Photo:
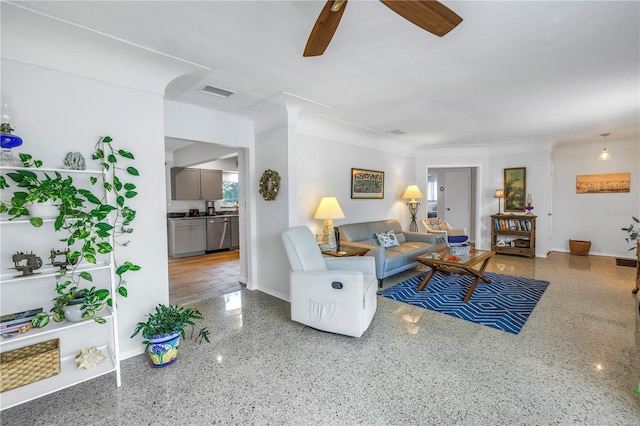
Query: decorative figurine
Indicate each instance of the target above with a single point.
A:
(74, 161)
(33, 262)
(62, 264)
(529, 205)
(88, 358)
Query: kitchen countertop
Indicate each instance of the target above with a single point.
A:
(223, 215)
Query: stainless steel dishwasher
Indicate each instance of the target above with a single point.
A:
(218, 233)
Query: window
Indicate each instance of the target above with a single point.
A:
(229, 189)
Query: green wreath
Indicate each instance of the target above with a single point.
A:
(269, 184)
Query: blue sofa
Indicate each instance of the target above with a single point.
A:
(390, 260)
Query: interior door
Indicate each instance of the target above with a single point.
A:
(457, 211)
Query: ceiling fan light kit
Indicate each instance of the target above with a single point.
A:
(429, 15)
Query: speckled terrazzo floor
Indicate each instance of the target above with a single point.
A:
(576, 361)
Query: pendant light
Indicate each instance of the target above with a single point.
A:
(604, 155)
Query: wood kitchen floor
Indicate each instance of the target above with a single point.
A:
(202, 277)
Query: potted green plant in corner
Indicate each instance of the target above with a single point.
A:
(162, 331)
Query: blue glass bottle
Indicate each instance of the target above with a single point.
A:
(8, 141)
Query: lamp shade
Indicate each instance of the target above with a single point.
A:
(329, 209)
(604, 155)
(412, 192)
(498, 194)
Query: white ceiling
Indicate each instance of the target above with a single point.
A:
(511, 72)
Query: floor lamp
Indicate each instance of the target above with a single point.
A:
(328, 210)
(412, 192)
(500, 195)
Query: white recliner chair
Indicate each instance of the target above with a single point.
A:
(337, 295)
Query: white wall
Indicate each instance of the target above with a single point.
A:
(490, 164)
(272, 218)
(60, 112)
(594, 217)
(323, 168)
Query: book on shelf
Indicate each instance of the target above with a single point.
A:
(15, 325)
(8, 318)
(512, 224)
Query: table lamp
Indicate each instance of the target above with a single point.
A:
(328, 210)
(499, 194)
(412, 192)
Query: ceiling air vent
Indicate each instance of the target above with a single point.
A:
(216, 91)
(396, 132)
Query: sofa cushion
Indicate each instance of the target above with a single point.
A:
(357, 232)
(387, 239)
(413, 249)
(394, 258)
(390, 260)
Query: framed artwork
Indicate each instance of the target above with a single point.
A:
(367, 183)
(515, 189)
(601, 183)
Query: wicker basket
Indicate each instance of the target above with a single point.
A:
(26, 365)
(579, 248)
(458, 250)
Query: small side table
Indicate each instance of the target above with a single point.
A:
(347, 251)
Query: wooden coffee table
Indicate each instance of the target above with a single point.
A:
(464, 266)
(347, 252)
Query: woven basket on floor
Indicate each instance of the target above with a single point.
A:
(26, 365)
(579, 248)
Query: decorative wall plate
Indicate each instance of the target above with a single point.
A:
(269, 184)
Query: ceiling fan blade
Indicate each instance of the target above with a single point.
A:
(324, 28)
(429, 15)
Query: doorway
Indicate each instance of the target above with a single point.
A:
(214, 273)
(452, 196)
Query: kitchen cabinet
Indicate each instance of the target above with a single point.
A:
(210, 184)
(187, 237)
(196, 184)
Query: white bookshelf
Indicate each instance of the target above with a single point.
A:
(73, 336)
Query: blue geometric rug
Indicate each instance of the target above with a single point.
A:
(505, 303)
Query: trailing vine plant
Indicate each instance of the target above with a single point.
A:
(91, 223)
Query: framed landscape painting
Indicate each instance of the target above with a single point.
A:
(367, 183)
(601, 183)
(515, 189)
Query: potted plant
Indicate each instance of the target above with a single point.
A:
(163, 329)
(632, 232)
(94, 223)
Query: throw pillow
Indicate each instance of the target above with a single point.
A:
(442, 225)
(434, 223)
(387, 239)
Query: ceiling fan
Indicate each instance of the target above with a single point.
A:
(429, 15)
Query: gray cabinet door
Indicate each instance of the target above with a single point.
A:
(182, 241)
(185, 184)
(210, 184)
(199, 237)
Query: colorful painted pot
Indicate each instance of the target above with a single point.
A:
(163, 350)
